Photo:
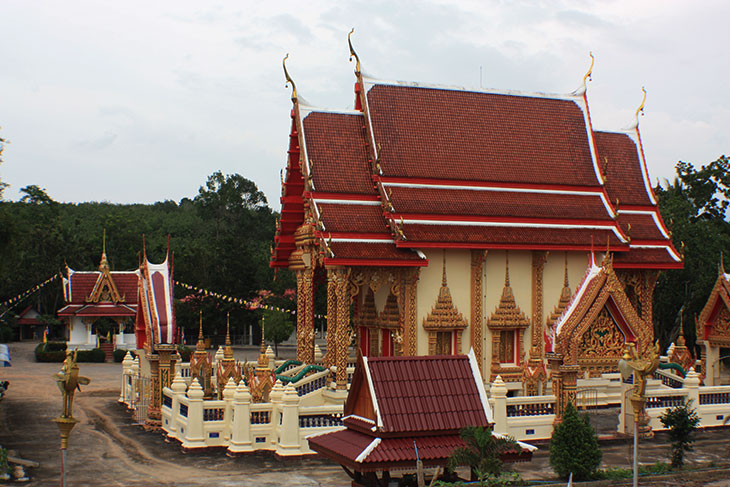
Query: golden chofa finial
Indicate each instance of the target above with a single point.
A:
(289, 80)
(641, 107)
(588, 77)
(353, 54)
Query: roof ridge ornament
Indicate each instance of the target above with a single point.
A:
(640, 110)
(353, 54)
(587, 77)
(289, 80)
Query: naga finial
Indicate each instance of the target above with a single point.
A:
(590, 69)
(289, 80)
(641, 107)
(353, 53)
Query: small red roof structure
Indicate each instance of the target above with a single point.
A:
(29, 317)
(398, 404)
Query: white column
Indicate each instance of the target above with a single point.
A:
(126, 368)
(194, 433)
(692, 384)
(228, 393)
(498, 394)
(277, 392)
(289, 443)
(178, 388)
(241, 429)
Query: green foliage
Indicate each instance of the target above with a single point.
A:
(93, 355)
(482, 452)
(4, 465)
(657, 468)
(54, 347)
(574, 446)
(2, 148)
(505, 479)
(7, 333)
(43, 354)
(682, 421)
(694, 207)
(185, 353)
(56, 352)
(279, 327)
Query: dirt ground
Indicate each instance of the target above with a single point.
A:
(107, 448)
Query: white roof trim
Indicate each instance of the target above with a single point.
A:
(372, 392)
(669, 250)
(325, 201)
(387, 240)
(368, 450)
(592, 272)
(636, 137)
(333, 430)
(524, 446)
(303, 147)
(518, 225)
(369, 82)
(367, 420)
(305, 109)
(480, 384)
(598, 192)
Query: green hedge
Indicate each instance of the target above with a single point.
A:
(56, 352)
(119, 354)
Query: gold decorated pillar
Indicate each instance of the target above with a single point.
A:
(555, 360)
(302, 261)
(477, 312)
(648, 284)
(410, 289)
(534, 373)
(342, 325)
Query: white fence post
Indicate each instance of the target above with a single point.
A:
(228, 393)
(241, 434)
(126, 369)
(692, 384)
(498, 392)
(289, 422)
(194, 433)
(178, 388)
(134, 371)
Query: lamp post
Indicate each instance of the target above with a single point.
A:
(640, 368)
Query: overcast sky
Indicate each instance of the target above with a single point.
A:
(140, 101)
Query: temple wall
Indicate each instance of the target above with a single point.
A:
(553, 277)
(458, 275)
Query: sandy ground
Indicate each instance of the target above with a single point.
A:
(107, 448)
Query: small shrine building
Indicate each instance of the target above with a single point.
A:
(713, 331)
(93, 295)
(442, 219)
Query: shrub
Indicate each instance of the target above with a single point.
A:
(7, 334)
(119, 354)
(574, 446)
(55, 346)
(185, 353)
(482, 453)
(93, 355)
(43, 355)
(682, 421)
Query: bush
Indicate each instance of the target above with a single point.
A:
(43, 355)
(93, 355)
(185, 353)
(119, 354)
(682, 421)
(482, 454)
(574, 447)
(7, 334)
(55, 346)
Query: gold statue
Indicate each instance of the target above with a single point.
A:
(68, 380)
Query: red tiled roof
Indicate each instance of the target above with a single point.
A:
(420, 235)
(98, 310)
(624, 177)
(429, 393)
(450, 134)
(336, 145)
(365, 251)
(82, 283)
(659, 258)
(643, 226)
(353, 218)
(497, 203)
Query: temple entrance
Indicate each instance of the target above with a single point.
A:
(105, 328)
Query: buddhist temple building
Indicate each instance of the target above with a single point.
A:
(713, 331)
(444, 219)
(93, 296)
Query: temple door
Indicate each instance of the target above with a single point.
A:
(387, 342)
(364, 341)
(444, 345)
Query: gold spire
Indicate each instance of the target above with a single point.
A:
(722, 263)
(443, 272)
(289, 80)
(263, 345)
(590, 69)
(103, 264)
(565, 279)
(353, 54)
(201, 341)
(506, 268)
(228, 351)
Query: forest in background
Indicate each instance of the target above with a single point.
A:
(221, 239)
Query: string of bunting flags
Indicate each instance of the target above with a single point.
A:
(28, 292)
(243, 302)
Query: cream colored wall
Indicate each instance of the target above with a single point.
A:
(458, 275)
(458, 271)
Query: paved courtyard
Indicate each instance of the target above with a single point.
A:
(107, 448)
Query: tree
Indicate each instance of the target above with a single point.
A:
(682, 421)
(694, 206)
(2, 148)
(278, 328)
(574, 446)
(482, 453)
